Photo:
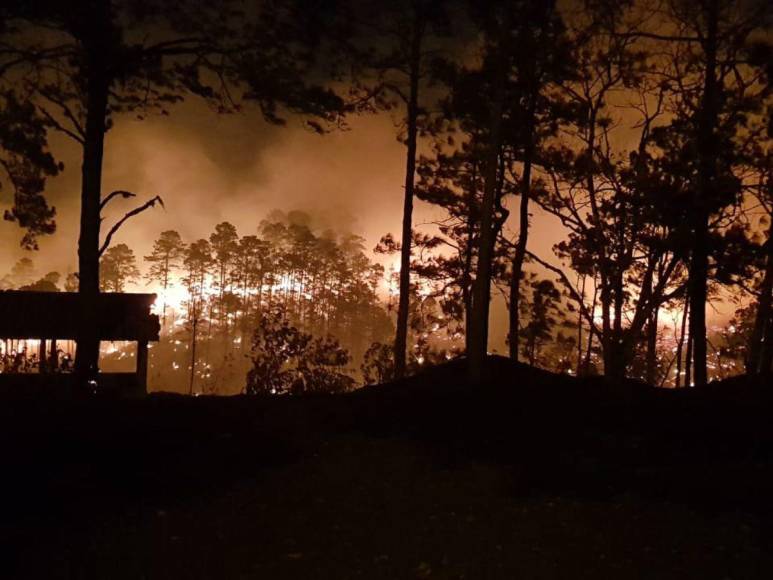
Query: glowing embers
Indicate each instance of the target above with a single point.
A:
(117, 356)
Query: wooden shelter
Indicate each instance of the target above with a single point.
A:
(52, 316)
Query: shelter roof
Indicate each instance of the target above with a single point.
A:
(25, 314)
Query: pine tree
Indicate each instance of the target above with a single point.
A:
(26, 164)
(118, 267)
(165, 258)
(402, 44)
(197, 263)
(224, 242)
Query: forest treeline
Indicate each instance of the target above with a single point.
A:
(289, 296)
(641, 127)
(215, 292)
(297, 307)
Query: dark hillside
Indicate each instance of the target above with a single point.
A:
(711, 446)
(535, 474)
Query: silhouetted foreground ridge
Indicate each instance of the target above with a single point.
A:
(534, 473)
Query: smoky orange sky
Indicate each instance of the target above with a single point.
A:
(210, 168)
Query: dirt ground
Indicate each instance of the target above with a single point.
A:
(535, 477)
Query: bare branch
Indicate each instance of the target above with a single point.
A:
(147, 205)
(121, 192)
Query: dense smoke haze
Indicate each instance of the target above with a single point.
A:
(250, 167)
(348, 180)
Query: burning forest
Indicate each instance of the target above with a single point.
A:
(320, 265)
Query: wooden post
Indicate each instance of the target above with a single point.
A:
(142, 365)
(42, 356)
(53, 363)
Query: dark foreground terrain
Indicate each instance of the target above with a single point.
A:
(534, 477)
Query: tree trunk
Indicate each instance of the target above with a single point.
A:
(401, 336)
(619, 348)
(688, 380)
(652, 347)
(87, 354)
(466, 289)
(591, 331)
(194, 328)
(765, 315)
(478, 341)
(766, 362)
(680, 344)
(698, 280)
(697, 288)
(468, 252)
(166, 285)
(523, 233)
(760, 340)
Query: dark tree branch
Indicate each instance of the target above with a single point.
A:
(655, 36)
(62, 104)
(59, 127)
(569, 286)
(121, 192)
(147, 205)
